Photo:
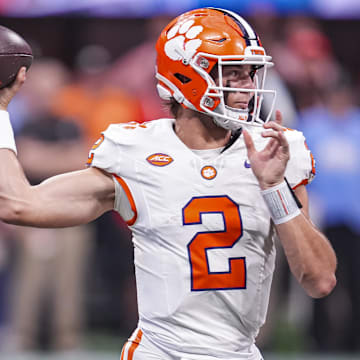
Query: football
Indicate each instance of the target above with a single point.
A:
(15, 52)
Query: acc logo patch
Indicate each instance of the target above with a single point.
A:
(159, 159)
(208, 172)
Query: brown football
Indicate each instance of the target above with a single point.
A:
(15, 52)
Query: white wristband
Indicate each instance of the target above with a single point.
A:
(7, 140)
(281, 203)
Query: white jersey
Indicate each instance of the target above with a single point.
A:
(203, 239)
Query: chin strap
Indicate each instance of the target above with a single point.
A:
(237, 114)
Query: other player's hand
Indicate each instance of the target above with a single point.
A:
(7, 93)
(270, 163)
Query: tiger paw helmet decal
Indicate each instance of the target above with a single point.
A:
(182, 43)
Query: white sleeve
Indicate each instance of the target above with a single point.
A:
(301, 166)
(105, 154)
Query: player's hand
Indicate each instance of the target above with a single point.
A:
(7, 93)
(269, 164)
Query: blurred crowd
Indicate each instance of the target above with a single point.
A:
(56, 286)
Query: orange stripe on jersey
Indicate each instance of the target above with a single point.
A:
(134, 344)
(130, 198)
(313, 168)
(98, 142)
(304, 182)
(90, 159)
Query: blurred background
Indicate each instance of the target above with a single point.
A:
(70, 293)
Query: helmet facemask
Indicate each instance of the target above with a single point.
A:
(217, 92)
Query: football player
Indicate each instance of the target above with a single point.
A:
(205, 193)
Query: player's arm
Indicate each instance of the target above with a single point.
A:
(63, 200)
(309, 253)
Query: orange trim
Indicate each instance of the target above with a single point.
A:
(130, 198)
(134, 345)
(98, 142)
(90, 159)
(123, 352)
(304, 182)
(313, 168)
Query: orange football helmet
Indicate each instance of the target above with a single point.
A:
(192, 45)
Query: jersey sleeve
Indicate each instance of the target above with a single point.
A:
(106, 154)
(103, 153)
(301, 166)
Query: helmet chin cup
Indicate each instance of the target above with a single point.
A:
(233, 119)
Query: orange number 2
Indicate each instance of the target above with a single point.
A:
(201, 276)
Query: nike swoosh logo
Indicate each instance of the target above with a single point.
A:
(247, 164)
